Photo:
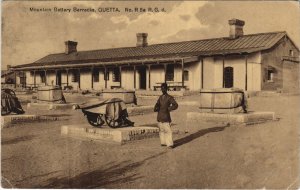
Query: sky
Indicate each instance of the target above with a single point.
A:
(28, 36)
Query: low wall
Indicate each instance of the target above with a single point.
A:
(119, 135)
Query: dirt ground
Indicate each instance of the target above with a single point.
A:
(211, 155)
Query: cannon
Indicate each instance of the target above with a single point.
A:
(112, 111)
(10, 102)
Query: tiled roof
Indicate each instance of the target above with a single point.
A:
(245, 44)
(6, 72)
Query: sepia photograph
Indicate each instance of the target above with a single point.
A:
(150, 94)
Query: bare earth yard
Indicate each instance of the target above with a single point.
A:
(211, 155)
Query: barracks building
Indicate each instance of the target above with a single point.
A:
(253, 62)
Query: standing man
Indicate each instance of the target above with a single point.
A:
(165, 104)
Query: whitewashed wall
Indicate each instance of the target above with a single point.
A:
(212, 75)
(254, 72)
(128, 78)
(38, 79)
(85, 80)
(157, 75)
(29, 78)
(194, 82)
(208, 73)
(239, 71)
(51, 78)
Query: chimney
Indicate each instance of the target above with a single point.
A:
(141, 39)
(236, 28)
(71, 46)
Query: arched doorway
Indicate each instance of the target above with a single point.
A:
(228, 77)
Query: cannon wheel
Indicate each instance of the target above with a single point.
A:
(95, 121)
(9, 91)
(5, 111)
(112, 123)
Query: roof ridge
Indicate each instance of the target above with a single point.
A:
(218, 38)
(133, 47)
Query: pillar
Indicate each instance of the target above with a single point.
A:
(182, 72)
(246, 72)
(149, 76)
(105, 77)
(15, 77)
(34, 79)
(56, 81)
(45, 77)
(67, 77)
(223, 66)
(120, 71)
(202, 73)
(92, 78)
(134, 77)
(79, 78)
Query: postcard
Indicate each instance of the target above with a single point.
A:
(150, 94)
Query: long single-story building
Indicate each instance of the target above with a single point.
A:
(253, 62)
(7, 76)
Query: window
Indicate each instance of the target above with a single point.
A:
(75, 76)
(23, 80)
(228, 77)
(291, 53)
(43, 77)
(170, 73)
(270, 75)
(186, 75)
(95, 75)
(116, 75)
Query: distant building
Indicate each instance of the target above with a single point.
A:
(7, 76)
(254, 62)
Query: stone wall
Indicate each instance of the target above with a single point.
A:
(272, 59)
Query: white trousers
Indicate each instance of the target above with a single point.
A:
(165, 133)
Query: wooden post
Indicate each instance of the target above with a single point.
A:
(182, 74)
(56, 82)
(223, 66)
(134, 77)
(202, 73)
(120, 71)
(25, 80)
(34, 79)
(246, 72)
(105, 77)
(149, 76)
(45, 77)
(92, 77)
(67, 77)
(165, 70)
(79, 79)
(15, 77)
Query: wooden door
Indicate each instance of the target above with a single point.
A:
(228, 77)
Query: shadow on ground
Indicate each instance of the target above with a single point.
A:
(116, 175)
(155, 125)
(198, 134)
(16, 140)
(57, 115)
